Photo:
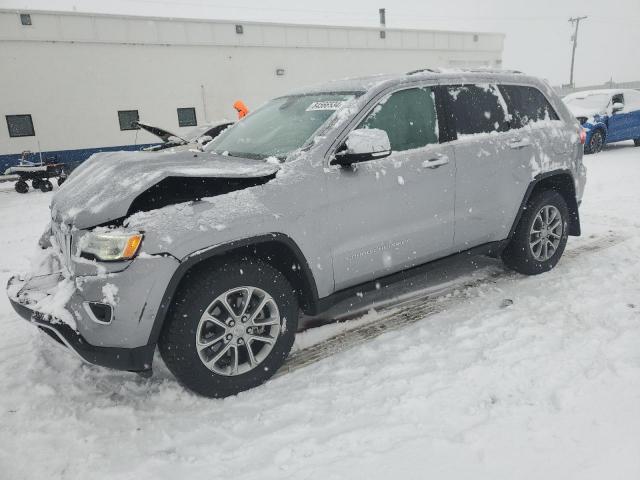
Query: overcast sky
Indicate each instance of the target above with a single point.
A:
(537, 32)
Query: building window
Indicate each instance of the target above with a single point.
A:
(128, 119)
(187, 117)
(239, 29)
(20, 126)
(25, 19)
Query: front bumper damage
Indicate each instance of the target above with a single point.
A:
(138, 359)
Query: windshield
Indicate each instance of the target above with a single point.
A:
(598, 100)
(279, 127)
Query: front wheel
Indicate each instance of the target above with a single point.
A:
(596, 142)
(541, 235)
(231, 326)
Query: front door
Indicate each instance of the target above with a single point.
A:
(396, 212)
(621, 123)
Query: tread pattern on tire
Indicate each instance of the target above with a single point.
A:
(517, 255)
(199, 287)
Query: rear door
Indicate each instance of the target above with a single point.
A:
(396, 212)
(491, 164)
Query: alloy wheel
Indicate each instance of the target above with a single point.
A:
(546, 233)
(596, 142)
(238, 330)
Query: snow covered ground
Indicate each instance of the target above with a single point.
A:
(547, 387)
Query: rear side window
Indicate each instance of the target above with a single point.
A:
(527, 105)
(476, 109)
(409, 118)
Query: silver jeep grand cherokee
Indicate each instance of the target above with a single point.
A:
(316, 197)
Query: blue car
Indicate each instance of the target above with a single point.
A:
(607, 116)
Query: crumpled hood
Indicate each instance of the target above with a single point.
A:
(161, 133)
(104, 186)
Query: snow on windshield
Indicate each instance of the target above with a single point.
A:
(281, 126)
(599, 101)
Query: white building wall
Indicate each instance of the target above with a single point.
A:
(73, 72)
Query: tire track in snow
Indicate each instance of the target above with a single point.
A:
(412, 311)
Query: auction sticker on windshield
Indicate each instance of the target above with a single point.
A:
(326, 105)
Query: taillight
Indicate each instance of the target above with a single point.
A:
(583, 135)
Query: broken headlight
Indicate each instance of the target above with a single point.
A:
(110, 246)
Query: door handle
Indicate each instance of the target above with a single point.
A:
(519, 143)
(435, 162)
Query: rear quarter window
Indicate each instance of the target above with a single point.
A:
(476, 109)
(527, 105)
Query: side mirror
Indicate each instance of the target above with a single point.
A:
(362, 145)
(617, 107)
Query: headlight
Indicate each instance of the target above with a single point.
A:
(110, 246)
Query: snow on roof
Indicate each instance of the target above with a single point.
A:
(363, 84)
(606, 91)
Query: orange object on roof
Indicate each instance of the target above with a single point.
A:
(241, 108)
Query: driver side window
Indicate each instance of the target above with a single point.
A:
(409, 118)
(618, 98)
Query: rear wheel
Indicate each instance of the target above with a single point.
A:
(21, 186)
(637, 142)
(35, 183)
(541, 235)
(231, 326)
(596, 142)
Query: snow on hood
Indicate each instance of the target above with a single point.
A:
(104, 186)
(584, 112)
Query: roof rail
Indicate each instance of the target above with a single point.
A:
(461, 70)
(421, 70)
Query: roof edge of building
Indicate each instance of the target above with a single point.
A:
(243, 22)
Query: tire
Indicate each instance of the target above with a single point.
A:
(596, 142)
(36, 183)
(188, 322)
(61, 180)
(636, 142)
(21, 186)
(523, 257)
(46, 186)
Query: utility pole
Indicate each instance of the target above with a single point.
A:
(576, 21)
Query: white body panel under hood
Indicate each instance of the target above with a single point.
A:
(104, 186)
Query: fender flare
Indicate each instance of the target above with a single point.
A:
(599, 126)
(310, 293)
(570, 196)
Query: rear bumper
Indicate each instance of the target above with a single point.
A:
(138, 359)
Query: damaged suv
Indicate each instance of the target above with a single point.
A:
(319, 196)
